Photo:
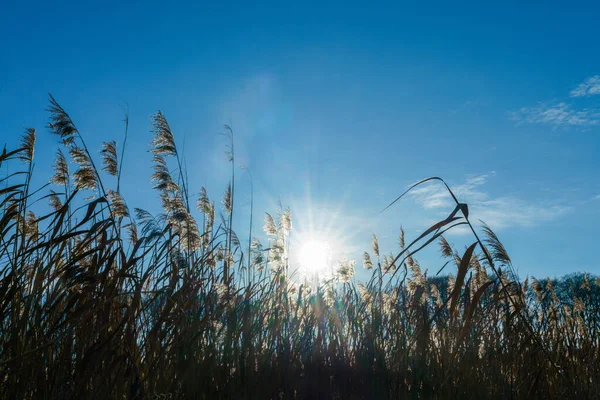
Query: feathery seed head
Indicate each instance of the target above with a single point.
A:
(367, 263)
(55, 202)
(85, 178)
(345, 270)
(163, 143)
(375, 246)
(118, 206)
(28, 145)
(228, 200)
(270, 228)
(61, 169)
(60, 123)
(109, 157)
(286, 221)
(203, 203)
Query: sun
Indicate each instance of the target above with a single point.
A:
(315, 256)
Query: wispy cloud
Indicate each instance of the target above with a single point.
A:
(499, 213)
(558, 115)
(589, 87)
(436, 196)
(563, 114)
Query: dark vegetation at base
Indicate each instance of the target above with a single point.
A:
(98, 300)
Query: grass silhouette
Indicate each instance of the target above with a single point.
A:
(100, 300)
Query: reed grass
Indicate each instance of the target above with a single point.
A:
(100, 300)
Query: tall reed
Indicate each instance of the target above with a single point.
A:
(100, 300)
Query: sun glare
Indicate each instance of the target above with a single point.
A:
(315, 256)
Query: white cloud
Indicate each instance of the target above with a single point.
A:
(436, 195)
(558, 115)
(564, 114)
(589, 87)
(499, 213)
(505, 212)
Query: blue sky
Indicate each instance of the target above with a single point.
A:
(336, 109)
